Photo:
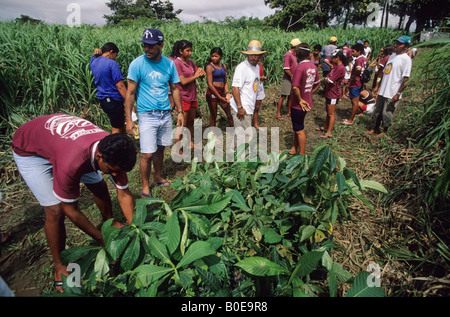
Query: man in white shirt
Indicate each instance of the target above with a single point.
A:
(396, 74)
(246, 88)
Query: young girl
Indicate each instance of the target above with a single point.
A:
(218, 90)
(188, 73)
(333, 90)
(315, 57)
(305, 82)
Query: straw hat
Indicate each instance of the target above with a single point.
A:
(295, 42)
(254, 48)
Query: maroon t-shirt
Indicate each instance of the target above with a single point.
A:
(187, 70)
(355, 79)
(305, 76)
(382, 65)
(69, 144)
(335, 77)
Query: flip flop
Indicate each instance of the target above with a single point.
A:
(144, 195)
(321, 129)
(326, 136)
(345, 122)
(280, 118)
(163, 183)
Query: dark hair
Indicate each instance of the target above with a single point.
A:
(359, 48)
(110, 47)
(118, 149)
(388, 50)
(340, 54)
(303, 51)
(216, 50)
(318, 47)
(179, 45)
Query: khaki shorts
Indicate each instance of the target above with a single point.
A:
(286, 86)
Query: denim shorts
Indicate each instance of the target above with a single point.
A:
(354, 92)
(155, 128)
(37, 173)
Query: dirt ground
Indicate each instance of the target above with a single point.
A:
(25, 261)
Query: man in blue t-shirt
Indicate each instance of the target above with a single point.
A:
(326, 52)
(149, 78)
(109, 82)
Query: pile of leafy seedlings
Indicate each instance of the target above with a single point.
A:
(233, 230)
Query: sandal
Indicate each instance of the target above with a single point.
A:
(144, 195)
(163, 183)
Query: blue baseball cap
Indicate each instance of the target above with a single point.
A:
(152, 36)
(405, 39)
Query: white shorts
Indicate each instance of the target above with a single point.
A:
(38, 175)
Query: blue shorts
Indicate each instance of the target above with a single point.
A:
(298, 119)
(37, 173)
(354, 92)
(155, 129)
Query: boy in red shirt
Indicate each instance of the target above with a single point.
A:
(305, 82)
(54, 154)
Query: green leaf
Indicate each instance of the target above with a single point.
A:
(210, 280)
(101, 266)
(300, 207)
(172, 233)
(261, 267)
(158, 249)
(239, 201)
(140, 209)
(147, 274)
(307, 232)
(308, 262)
(340, 180)
(197, 250)
(210, 205)
(368, 184)
(332, 283)
(271, 236)
(117, 246)
(131, 254)
(360, 287)
(319, 158)
(72, 255)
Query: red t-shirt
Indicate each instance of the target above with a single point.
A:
(69, 144)
(305, 76)
(187, 69)
(355, 79)
(335, 77)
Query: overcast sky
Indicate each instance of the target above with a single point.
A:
(92, 11)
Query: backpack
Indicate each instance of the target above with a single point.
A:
(366, 75)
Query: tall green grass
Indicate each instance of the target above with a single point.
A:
(45, 68)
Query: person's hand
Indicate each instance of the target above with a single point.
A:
(228, 97)
(97, 51)
(200, 73)
(305, 105)
(130, 127)
(241, 113)
(395, 98)
(180, 119)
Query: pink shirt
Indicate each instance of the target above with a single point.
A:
(355, 79)
(305, 76)
(187, 70)
(69, 144)
(335, 77)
